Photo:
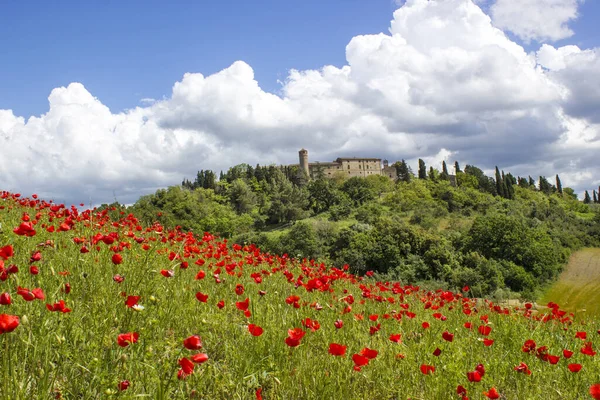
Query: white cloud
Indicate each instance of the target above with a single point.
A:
(443, 84)
(537, 20)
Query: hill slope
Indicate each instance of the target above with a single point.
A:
(578, 287)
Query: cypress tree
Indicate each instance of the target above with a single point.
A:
(558, 185)
(586, 198)
(422, 169)
(499, 186)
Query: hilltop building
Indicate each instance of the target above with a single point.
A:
(349, 167)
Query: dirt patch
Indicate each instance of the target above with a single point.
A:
(578, 287)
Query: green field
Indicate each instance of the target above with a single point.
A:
(578, 287)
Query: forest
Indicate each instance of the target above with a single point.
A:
(502, 236)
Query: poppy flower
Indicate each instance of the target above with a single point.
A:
(60, 306)
(575, 367)
(369, 353)
(8, 323)
(447, 336)
(359, 360)
(117, 259)
(132, 301)
(124, 385)
(199, 358)
(595, 391)
(201, 297)
(474, 376)
(484, 330)
(242, 305)
(125, 339)
(427, 369)
(395, 337)
(7, 252)
(587, 349)
(492, 394)
(337, 349)
(5, 299)
(239, 289)
(193, 342)
(167, 273)
(255, 330)
(187, 366)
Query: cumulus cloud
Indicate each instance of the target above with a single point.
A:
(539, 20)
(445, 83)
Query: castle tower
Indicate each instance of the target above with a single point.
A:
(303, 154)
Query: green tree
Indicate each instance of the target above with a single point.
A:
(559, 185)
(422, 169)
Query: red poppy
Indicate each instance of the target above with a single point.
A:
(167, 273)
(8, 323)
(359, 360)
(5, 299)
(124, 385)
(193, 342)
(117, 259)
(125, 339)
(60, 306)
(242, 305)
(337, 349)
(239, 289)
(255, 330)
(132, 301)
(575, 367)
(199, 358)
(595, 391)
(201, 297)
(427, 369)
(374, 329)
(492, 394)
(587, 349)
(523, 368)
(474, 376)
(6, 252)
(395, 337)
(369, 353)
(484, 330)
(447, 336)
(187, 366)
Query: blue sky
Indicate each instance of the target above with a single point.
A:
(453, 80)
(125, 51)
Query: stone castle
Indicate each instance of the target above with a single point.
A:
(348, 167)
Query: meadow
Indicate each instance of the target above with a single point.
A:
(96, 308)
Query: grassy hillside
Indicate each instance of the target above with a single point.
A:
(578, 286)
(94, 308)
